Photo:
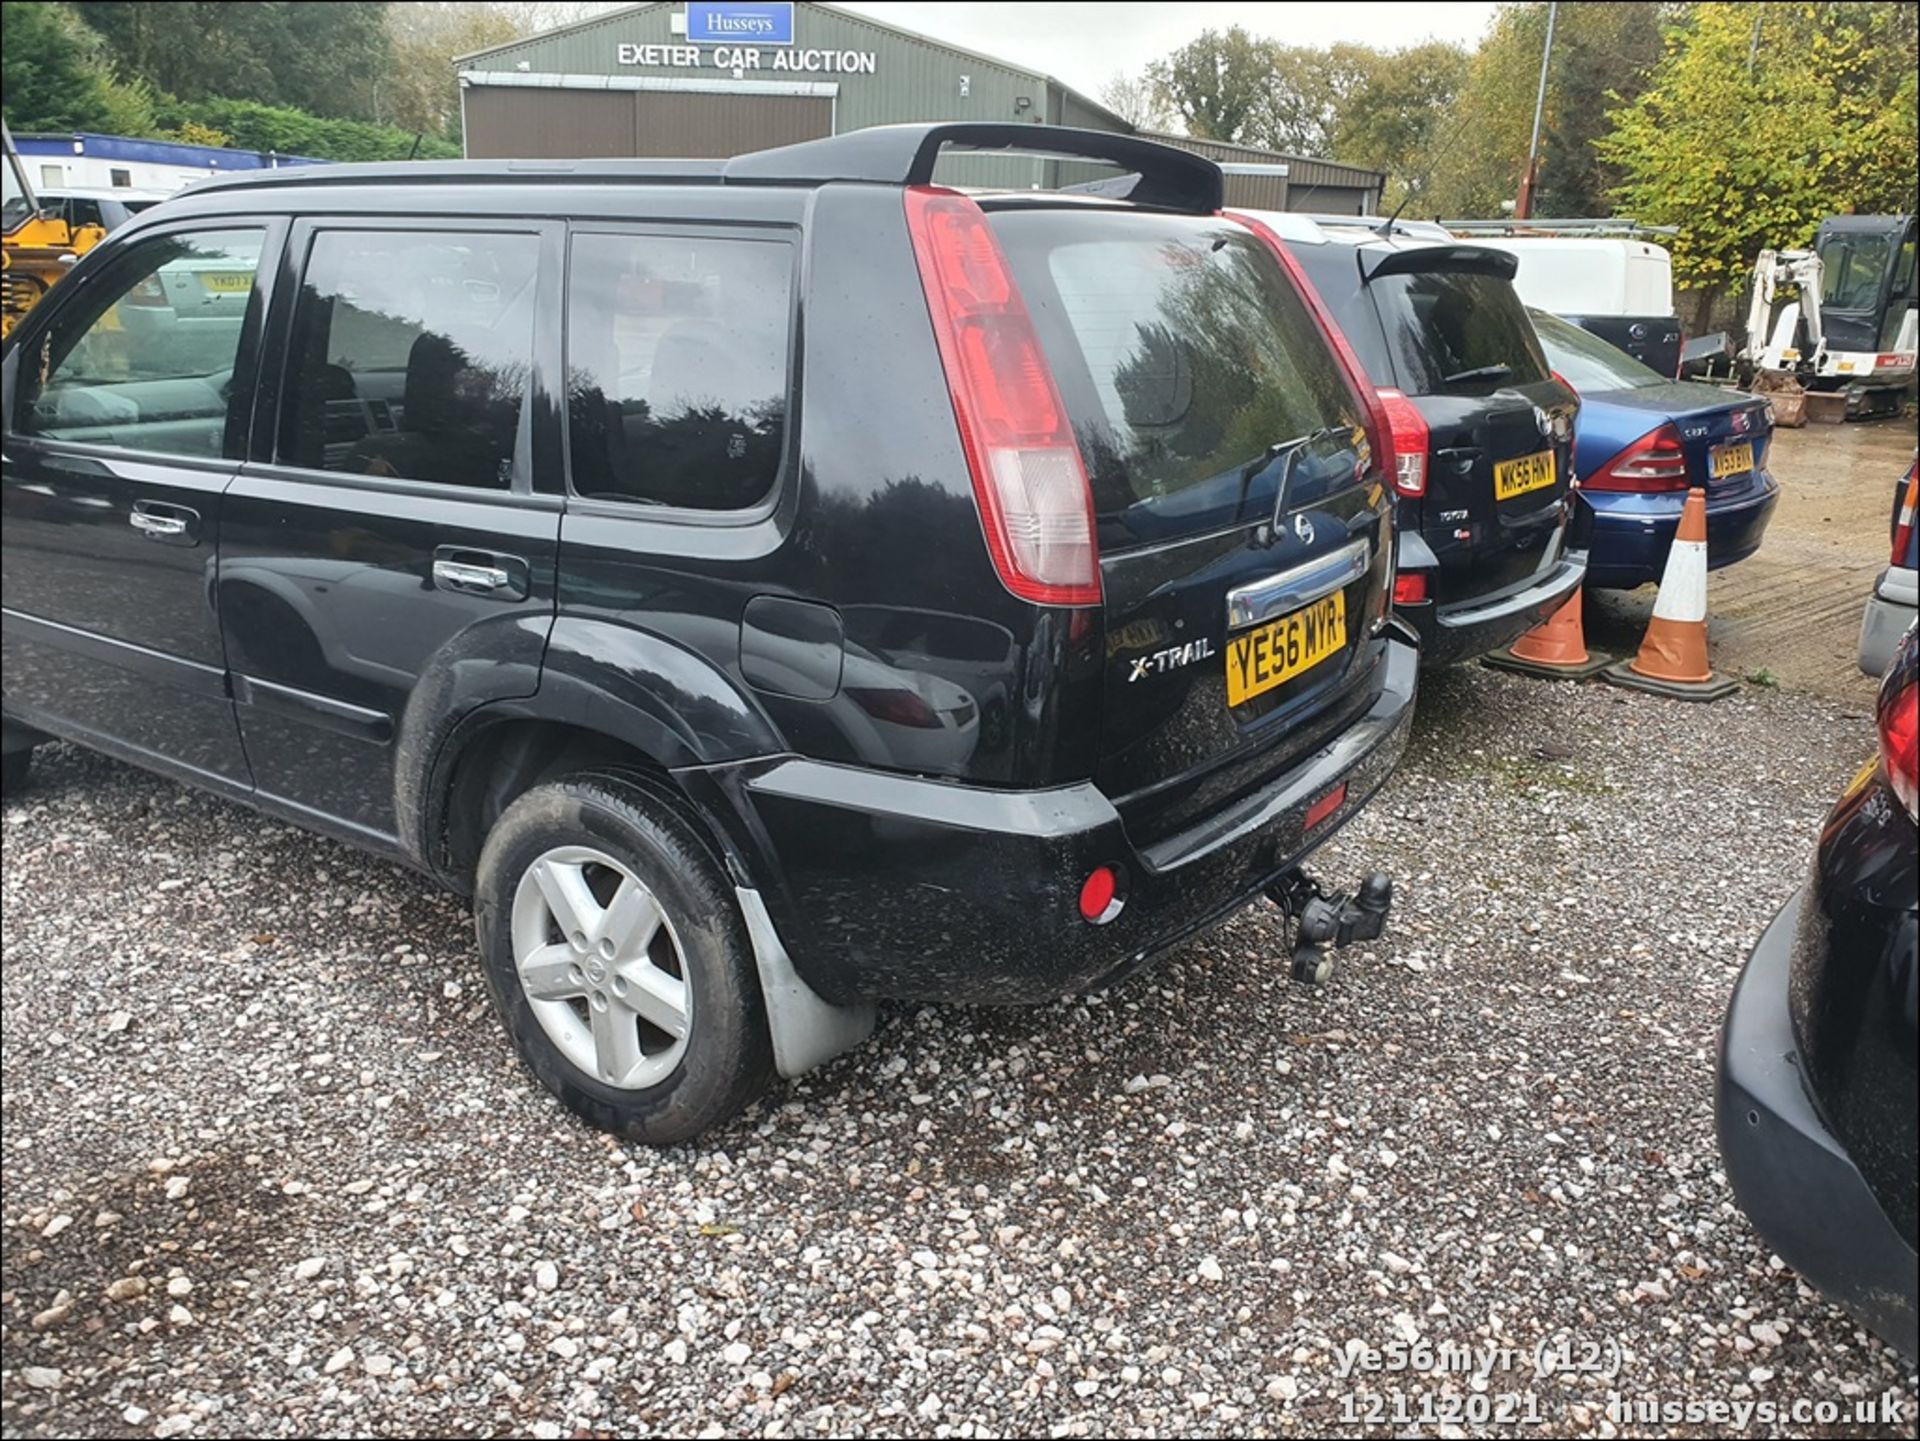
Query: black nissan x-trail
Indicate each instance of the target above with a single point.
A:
(767, 586)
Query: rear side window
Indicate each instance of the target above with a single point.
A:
(1187, 362)
(1456, 332)
(677, 378)
(1586, 362)
(411, 355)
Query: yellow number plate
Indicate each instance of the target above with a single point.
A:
(1517, 477)
(1735, 459)
(1258, 660)
(227, 284)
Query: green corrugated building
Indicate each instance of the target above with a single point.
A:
(699, 79)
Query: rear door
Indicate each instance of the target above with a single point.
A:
(387, 533)
(129, 420)
(1242, 528)
(1450, 333)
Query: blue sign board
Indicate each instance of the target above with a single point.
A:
(739, 22)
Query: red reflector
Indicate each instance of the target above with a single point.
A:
(1326, 805)
(1097, 895)
(1410, 587)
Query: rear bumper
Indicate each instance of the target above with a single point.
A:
(1890, 610)
(1802, 1191)
(1631, 534)
(1465, 629)
(895, 887)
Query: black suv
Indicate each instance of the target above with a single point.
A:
(767, 586)
(1818, 1094)
(1482, 430)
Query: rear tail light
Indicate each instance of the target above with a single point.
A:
(1410, 440)
(149, 292)
(1653, 464)
(1410, 588)
(1904, 522)
(1680, 356)
(1035, 504)
(1899, 718)
(896, 707)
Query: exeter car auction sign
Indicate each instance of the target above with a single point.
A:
(736, 29)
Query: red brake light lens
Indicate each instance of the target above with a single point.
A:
(1410, 587)
(1652, 465)
(896, 707)
(1035, 504)
(1903, 525)
(1410, 440)
(1899, 718)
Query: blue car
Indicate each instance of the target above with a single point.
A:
(1642, 441)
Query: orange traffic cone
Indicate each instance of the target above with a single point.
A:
(1673, 654)
(1557, 647)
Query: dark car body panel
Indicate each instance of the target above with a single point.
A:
(1653, 340)
(330, 679)
(1819, 1085)
(1498, 567)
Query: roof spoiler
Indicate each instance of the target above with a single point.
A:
(1168, 178)
(1428, 259)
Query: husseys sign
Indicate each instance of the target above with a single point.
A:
(736, 30)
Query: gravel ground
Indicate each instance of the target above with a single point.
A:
(271, 1169)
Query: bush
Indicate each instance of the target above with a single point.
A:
(250, 125)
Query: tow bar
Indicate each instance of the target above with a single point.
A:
(1325, 922)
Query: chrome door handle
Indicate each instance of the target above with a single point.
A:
(459, 575)
(158, 526)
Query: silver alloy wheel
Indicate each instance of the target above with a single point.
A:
(601, 967)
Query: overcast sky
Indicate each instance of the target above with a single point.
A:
(1085, 44)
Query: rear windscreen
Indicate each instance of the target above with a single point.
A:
(1189, 366)
(1588, 363)
(1456, 332)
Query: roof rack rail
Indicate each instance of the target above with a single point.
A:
(1575, 226)
(1162, 175)
(1169, 178)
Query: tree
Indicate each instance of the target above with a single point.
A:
(1395, 117)
(1741, 161)
(54, 75)
(326, 58)
(1603, 52)
(1134, 99)
(1214, 83)
(420, 90)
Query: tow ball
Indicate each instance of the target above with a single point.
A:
(1325, 921)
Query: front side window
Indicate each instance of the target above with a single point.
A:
(148, 363)
(411, 355)
(1852, 267)
(677, 353)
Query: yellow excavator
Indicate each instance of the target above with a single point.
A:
(36, 249)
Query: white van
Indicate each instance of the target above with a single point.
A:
(1621, 290)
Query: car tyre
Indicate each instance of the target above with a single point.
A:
(618, 960)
